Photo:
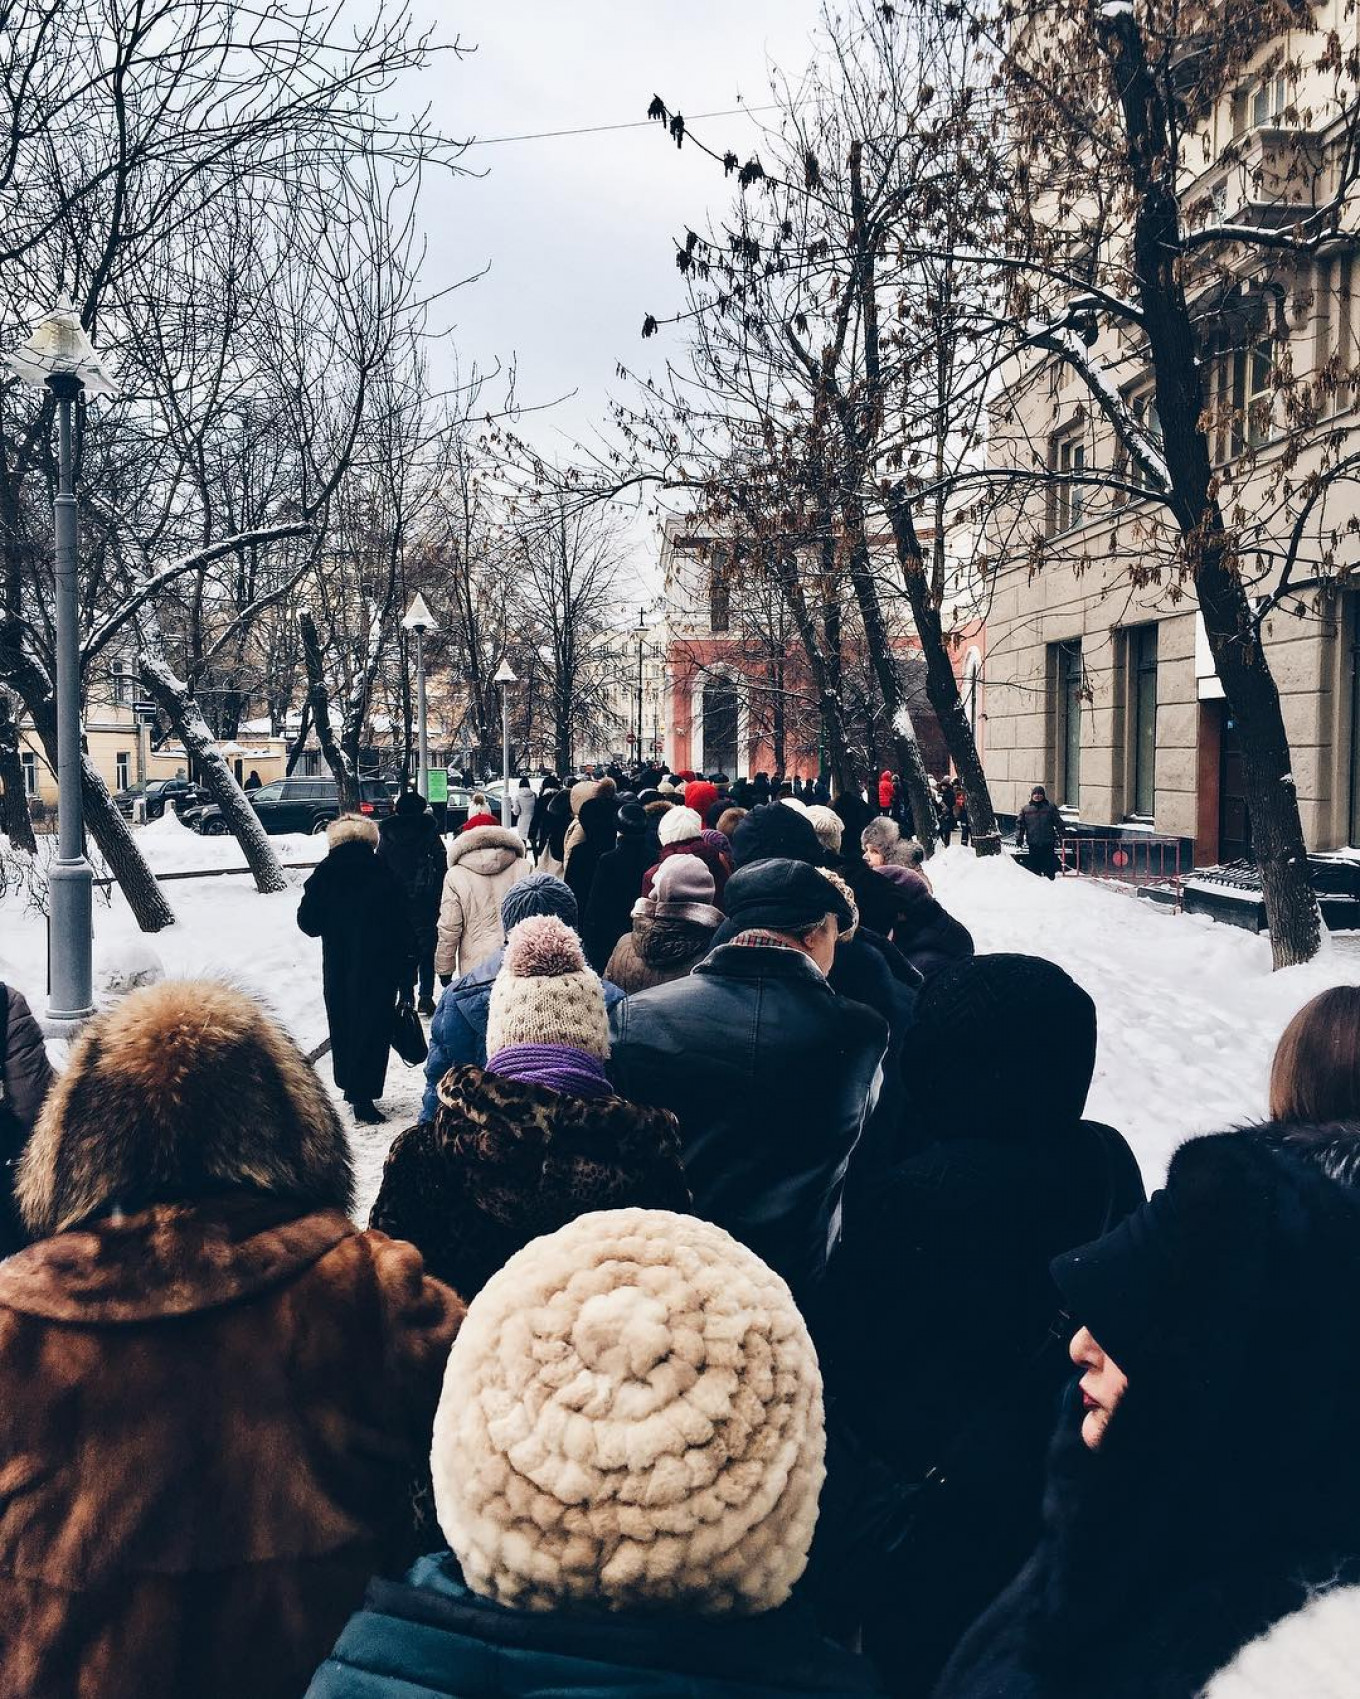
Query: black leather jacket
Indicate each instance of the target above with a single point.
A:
(772, 1077)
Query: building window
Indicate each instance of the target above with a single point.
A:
(1260, 103)
(122, 763)
(720, 592)
(1067, 457)
(1142, 677)
(720, 723)
(1252, 395)
(1069, 685)
(124, 684)
(29, 762)
(1143, 407)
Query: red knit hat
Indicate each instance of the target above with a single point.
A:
(701, 796)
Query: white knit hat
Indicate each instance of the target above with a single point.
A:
(545, 993)
(678, 826)
(631, 1419)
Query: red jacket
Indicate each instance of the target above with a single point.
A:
(886, 788)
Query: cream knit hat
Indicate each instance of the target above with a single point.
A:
(545, 993)
(631, 1419)
(678, 826)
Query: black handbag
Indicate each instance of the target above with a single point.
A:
(408, 1036)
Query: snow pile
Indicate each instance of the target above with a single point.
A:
(1189, 1009)
(170, 847)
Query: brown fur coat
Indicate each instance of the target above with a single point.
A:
(215, 1391)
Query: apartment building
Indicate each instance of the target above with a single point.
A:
(1099, 682)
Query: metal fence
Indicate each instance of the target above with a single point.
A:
(1129, 861)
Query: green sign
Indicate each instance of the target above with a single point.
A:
(437, 785)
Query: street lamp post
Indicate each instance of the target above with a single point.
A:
(641, 627)
(420, 620)
(59, 356)
(505, 678)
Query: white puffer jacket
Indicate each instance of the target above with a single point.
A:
(483, 864)
(1313, 1654)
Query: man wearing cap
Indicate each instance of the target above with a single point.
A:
(770, 1073)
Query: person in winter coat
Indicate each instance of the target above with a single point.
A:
(479, 814)
(682, 832)
(483, 865)
(925, 932)
(557, 820)
(528, 1142)
(354, 905)
(672, 929)
(953, 1243)
(524, 802)
(771, 1074)
(1315, 1076)
(25, 1079)
(1040, 825)
(409, 843)
(887, 792)
(669, 1396)
(617, 882)
(538, 829)
(583, 792)
(1203, 1493)
(598, 821)
(215, 1391)
(458, 1030)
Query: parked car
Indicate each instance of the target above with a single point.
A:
(298, 805)
(457, 808)
(159, 794)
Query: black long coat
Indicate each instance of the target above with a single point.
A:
(411, 846)
(354, 905)
(616, 887)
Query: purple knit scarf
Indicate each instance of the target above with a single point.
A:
(559, 1067)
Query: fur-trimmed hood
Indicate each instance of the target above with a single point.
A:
(183, 1090)
(486, 849)
(352, 829)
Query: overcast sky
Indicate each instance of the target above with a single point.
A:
(577, 230)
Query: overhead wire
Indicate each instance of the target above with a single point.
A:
(600, 129)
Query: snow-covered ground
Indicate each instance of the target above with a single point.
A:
(1189, 1010)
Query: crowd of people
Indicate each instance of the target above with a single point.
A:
(753, 1310)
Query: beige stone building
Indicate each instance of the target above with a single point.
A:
(1098, 680)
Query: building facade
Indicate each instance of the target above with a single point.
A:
(1099, 683)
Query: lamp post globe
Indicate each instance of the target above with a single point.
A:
(59, 356)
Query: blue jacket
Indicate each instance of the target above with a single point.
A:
(458, 1030)
(429, 1636)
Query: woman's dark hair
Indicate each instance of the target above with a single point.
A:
(1315, 1077)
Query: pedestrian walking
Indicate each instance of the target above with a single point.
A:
(617, 883)
(525, 805)
(1040, 826)
(953, 1242)
(482, 866)
(671, 930)
(354, 905)
(26, 1077)
(771, 1074)
(668, 1395)
(215, 1391)
(1201, 1528)
(536, 1136)
(598, 821)
(410, 845)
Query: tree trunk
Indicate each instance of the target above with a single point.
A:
(173, 699)
(14, 818)
(119, 849)
(910, 764)
(319, 704)
(299, 743)
(942, 686)
(1272, 802)
(824, 665)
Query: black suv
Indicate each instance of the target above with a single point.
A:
(299, 805)
(160, 794)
